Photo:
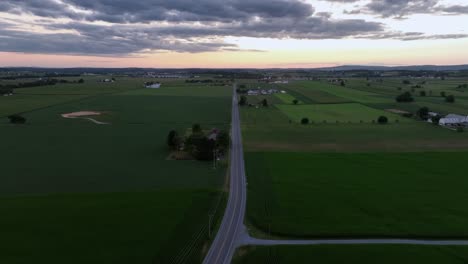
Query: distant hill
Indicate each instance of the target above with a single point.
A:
(397, 68)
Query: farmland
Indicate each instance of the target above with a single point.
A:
(74, 191)
(379, 194)
(366, 254)
(343, 175)
(351, 112)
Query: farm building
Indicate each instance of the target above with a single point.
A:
(153, 85)
(454, 120)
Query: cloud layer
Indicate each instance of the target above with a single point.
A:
(129, 27)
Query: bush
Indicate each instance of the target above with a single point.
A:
(305, 121)
(295, 101)
(17, 119)
(442, 94)
(382, 120)
(422, 93)
(460, 129)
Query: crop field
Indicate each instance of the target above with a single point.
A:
(315, 95)
(287, 98)
(352, 112)
(344, 178)
(358, 195)
(365, 254)
(343, 92)
(72, 191)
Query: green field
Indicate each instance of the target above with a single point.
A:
(365, 254)
(353, 113)
(358, 195)
(287, 98)
(342, 92)
(72, 191)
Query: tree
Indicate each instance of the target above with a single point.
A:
(243, 100)
(305, 121)
(422, 93)
(81, 81)
(242, 86)
(173, 139)
(450, 99)
(435, 119)
(196, 129)
(223, 140)
(405, 97)
(382, 120)
(442, 94)
(342, 83)
(423, 112)
(17, 119)
(407, 82)
(295, 101)
(264, 103)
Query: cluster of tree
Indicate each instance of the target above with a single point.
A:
(405, 97)
(37, 83)
(463, 86)
(305, 121)
(448, 98)
(423, 113)
(17, 119)
(200, 145)
(406, 82)
(422, 93)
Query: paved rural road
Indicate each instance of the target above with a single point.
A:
(232, 226)
(232, 232)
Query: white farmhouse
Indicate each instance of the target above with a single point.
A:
(152, 85)
(453, 120)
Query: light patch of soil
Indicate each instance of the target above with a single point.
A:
(397, 111)
(85, 115)
(81, 114)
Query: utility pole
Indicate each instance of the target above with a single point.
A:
(214, 158)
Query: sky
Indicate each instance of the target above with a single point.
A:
(232, 33)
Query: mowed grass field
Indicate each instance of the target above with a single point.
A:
(358, 195)
(72, 191)
(365, 254)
